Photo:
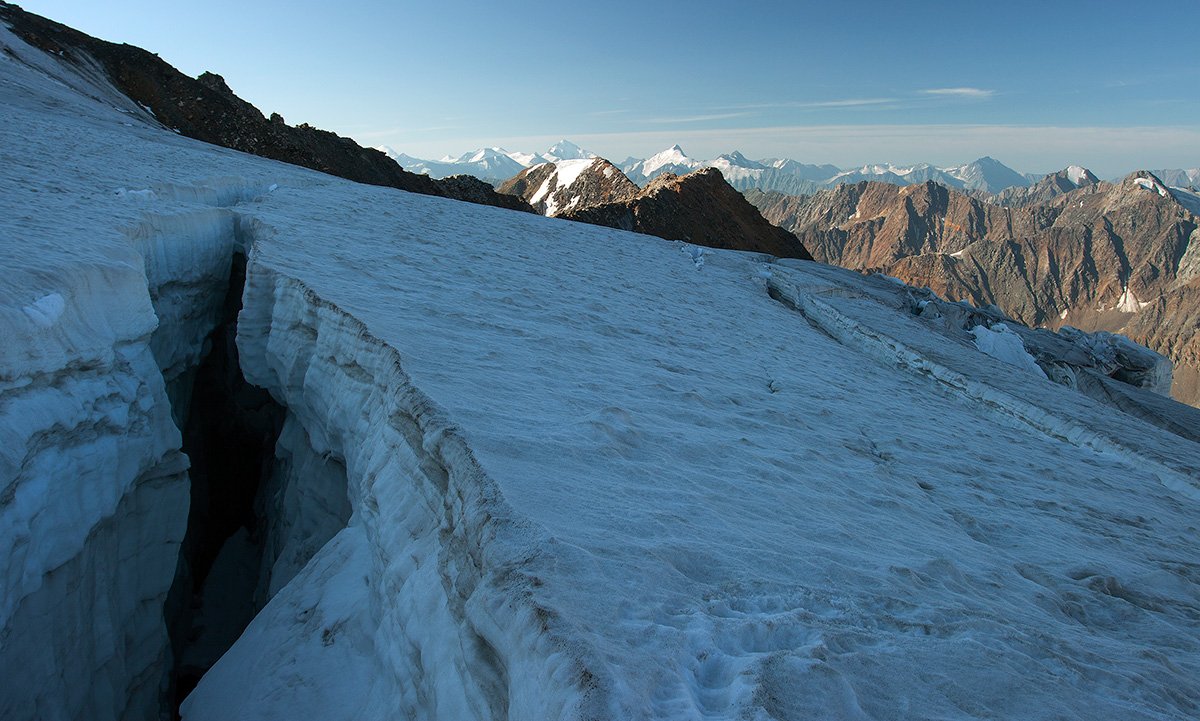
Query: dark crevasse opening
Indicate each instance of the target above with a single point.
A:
(229, 434)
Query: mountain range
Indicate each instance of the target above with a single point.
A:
(493, 165)
(985, 175)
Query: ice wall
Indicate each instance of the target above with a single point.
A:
(94, 501)
(116, 255)
(93, 376)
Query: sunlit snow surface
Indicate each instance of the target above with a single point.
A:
(672, 495)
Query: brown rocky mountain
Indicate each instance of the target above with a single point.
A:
(555, 188)
(1048, 188)
(699, 207)
(1121, 257)
(206, 109)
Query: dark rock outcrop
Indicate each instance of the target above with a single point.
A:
(474, 190)
(700, 208)
(1119, 257)
(205, 108)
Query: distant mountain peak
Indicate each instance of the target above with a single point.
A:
(673, 151)
(730, 161)
(987, 174)
(566, 150)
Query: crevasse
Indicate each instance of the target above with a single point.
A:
(445, 629)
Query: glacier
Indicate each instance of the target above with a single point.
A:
(529, 468)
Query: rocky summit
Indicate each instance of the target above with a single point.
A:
(1048, 188)
(699, 208)
(558, 187)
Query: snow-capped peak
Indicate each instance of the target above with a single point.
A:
(736, 159)
(529, 159)
(483, 154)
(673, 155)
(566, 150)
(671, 160)
(986, 173)
(1076, 173)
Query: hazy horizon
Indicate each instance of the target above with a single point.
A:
(814, 142)
(1036, 86)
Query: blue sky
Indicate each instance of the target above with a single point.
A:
(1038, 85)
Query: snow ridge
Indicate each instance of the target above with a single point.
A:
(1172, 472)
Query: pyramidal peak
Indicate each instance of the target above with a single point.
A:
(566, 150)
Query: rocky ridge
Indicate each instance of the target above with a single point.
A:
(700, 208)
(1049, 187)
(205, 108)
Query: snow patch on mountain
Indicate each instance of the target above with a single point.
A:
(1077, 173)
(1151, 184)
(1128, 302)
(565, 175)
